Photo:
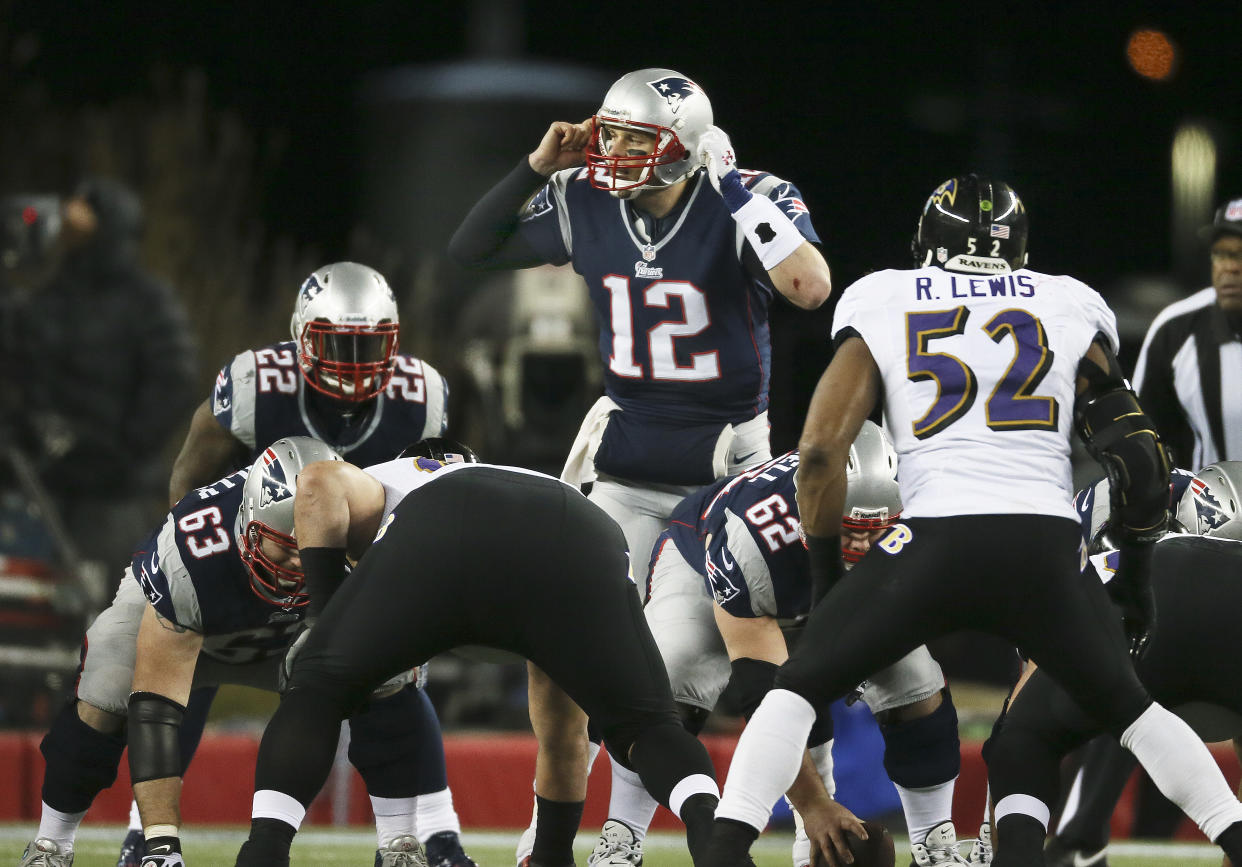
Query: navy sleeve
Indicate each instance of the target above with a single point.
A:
(488, 237)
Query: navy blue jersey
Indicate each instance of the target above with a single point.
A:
(190, 570)
(683, 319)
(261, 396)
(742, 535)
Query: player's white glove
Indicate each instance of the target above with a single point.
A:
(286, 665)
(717, 154)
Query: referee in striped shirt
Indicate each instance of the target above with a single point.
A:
(1189, 371)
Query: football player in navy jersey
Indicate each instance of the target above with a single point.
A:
(215, 595)
(982, 367)
(683, 254)
(737, 542)
(1189, 664)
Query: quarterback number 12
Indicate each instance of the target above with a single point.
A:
(1012, 405)
(703, 365)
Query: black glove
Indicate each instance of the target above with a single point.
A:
(1131, 590)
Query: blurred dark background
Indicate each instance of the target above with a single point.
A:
(266, 142)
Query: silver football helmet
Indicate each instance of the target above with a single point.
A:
(663, 103)
(872, 496)
(1212, 503)
(266, 514)
(345, 324)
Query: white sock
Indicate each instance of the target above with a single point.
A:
(629, 801)
(59, 827)
(135, 820)
(271, 804)
(436, 814)
(394, 817)
(925, 808)
(767, 758)
(1025, 805)
(1182, 769)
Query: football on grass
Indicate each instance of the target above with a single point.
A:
(876, 851)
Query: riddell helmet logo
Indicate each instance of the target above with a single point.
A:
(675, 90)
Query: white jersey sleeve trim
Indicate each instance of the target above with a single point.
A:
(557, 185)
(242, 372)
(753, 566)
(437, 402)
(182, 595)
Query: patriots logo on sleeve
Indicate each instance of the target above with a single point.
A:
(787, 200)
(222, 396)
(675, 90)
(539, 205)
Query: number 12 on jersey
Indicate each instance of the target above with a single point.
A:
(660, 337)
(1012, 405)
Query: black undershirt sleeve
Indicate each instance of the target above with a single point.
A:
(488, 237)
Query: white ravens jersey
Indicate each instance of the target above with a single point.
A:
(979, 380)
(403, 476)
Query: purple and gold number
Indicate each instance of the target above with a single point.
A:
(1012, 406)
(956, 385)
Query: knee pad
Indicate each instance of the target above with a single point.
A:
(80, 761)
(926, 751)
(749, 681)
(154, 737)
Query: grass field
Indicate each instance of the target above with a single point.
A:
(216, 847)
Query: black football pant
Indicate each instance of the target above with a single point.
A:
(488, 557)
(1190, 659)
(1014, 576)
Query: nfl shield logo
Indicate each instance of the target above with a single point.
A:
(649, 253)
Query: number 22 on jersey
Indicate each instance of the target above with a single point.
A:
(1013, 404)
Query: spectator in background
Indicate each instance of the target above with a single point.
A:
(108, 367)
(1189, 371)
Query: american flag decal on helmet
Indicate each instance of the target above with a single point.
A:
(999, 231)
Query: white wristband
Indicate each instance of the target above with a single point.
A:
(771, 234)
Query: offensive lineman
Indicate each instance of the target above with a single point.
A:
(214, 595)
(979, 363)
(737, 542)
(683, 254)
(468, 554)
(1187, 665)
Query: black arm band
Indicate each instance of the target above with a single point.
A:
(493, 220)
(826, 565)
(749, 681)
(1133, 563)
(324, 569)
(154, 737)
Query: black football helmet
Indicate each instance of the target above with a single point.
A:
(972, 224)
(441, 449)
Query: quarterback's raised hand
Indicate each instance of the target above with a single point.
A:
(717, 154)
(562, 147)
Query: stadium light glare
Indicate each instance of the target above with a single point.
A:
(1151, 54)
